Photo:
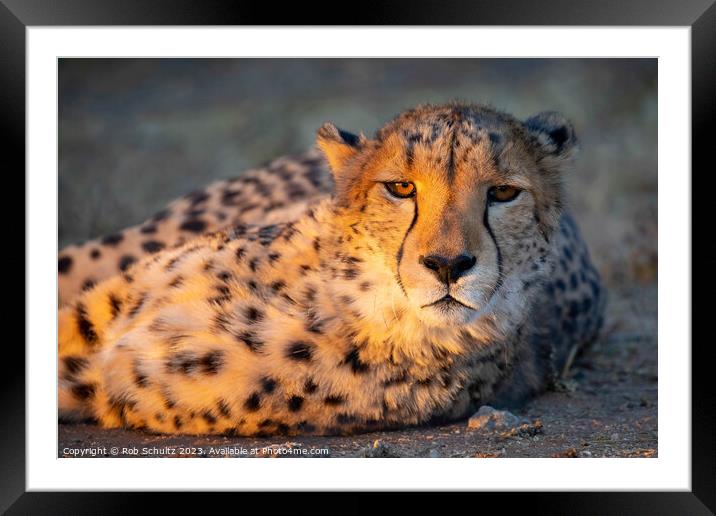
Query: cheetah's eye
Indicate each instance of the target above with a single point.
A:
(502, 193)
(401, 190)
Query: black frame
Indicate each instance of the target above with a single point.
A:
(700, 15)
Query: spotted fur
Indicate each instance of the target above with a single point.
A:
(275, 193)
(332, 323)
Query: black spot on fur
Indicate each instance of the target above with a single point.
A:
(224, 276)
(95, 253)
(309, 387)
(586, 304)
(125, 262)
(273, 257)
(134, 310)
(140, 379)
(295, 403)
(395, 380)
(177, 422)
(193, 225)
(350, 260)
(268, 384)
(250, 340)
(178, 281)
(152, 246)
(212, 362)
(573, 310)
(573, 281)
(334, 400)
(253, 402)
(353, 360)
(88, 284)
(310, 294)
(113, 240)
(365, 286)
(223, 295)
(446, 379)
(254, 264)
(149, 229)
(266, 423)
(197, 197)
(351, 273)
(221, 322)
(295, 192)
(228, 197)
(300, 351)
(267, 234)
(161, 215)
(253, 314)
(84, 325)
(184, 362)
(278, 285)
(84, 391)
(313, 323)
(74, 364)
(209, 417)
(64, 264)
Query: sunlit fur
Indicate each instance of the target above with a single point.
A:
(328, 325)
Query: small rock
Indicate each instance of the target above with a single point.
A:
(585, 454)
(503, 422)
(489, 419)
(434, 454)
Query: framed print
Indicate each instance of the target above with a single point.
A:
(460, 238)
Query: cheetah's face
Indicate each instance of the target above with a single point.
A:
(459, 203)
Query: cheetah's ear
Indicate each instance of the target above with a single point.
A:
(554, 135)
(338, 146)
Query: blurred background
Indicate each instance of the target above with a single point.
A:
(136, 133)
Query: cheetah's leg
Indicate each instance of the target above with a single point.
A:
(81, 329)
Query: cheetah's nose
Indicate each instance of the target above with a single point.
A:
(448, 270)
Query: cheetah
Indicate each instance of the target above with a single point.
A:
(442, 273)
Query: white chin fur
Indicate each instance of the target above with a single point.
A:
(446, 314)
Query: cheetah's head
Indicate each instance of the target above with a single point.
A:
(458, 200)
